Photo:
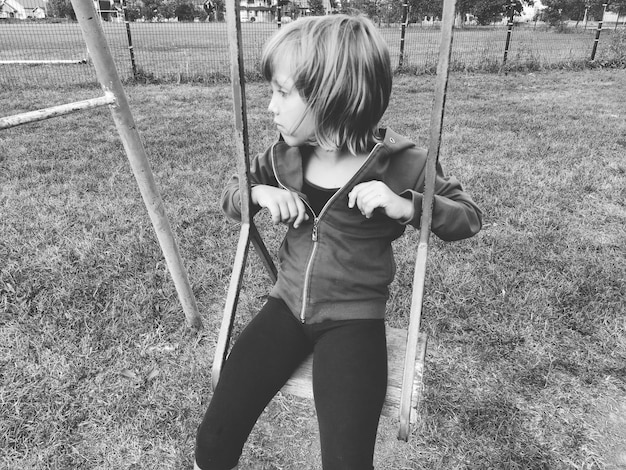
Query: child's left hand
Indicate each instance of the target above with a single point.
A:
(373, 194)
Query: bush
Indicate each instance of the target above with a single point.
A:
(185, 12)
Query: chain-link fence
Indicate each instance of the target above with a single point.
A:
(53, 53)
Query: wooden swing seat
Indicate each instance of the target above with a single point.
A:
(300, 383)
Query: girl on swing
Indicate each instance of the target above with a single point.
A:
(347, 189)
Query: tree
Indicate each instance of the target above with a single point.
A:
(464, 7)
(185, 12)
(617, 6)
(159, 9)
(220, 9)
(317, 7)
(61, 9)
(150, 9)
(557, 11)
(418, 9)
(373, 10)
(596, 9)
(166, 9)
(388, 10)
(490, 11)
(132, 12)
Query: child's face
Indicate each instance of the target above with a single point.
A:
(291, 114)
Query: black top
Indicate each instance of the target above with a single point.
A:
(318, 196)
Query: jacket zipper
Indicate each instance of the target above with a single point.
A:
(314, 232)
(307, 272)
(313, 237)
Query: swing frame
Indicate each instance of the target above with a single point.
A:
(115, 98)
(406, 348)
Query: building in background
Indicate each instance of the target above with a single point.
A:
(23, 9)
(266, 10)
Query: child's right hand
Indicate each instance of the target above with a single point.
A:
(284, 206)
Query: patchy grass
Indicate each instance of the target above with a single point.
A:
(525, 367)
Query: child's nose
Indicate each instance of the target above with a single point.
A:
(272, 107)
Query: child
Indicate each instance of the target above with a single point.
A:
(347, 189)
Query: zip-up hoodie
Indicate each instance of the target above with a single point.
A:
(338, 264)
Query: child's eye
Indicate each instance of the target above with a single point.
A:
(280, 92)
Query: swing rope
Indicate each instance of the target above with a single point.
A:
(419, 278)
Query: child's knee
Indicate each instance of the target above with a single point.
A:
(214, 451)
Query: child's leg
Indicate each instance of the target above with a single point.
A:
(349, 383)
(262, 359)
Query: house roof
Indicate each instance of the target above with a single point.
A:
(12, 5)
(6, 6)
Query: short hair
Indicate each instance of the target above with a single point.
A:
(341, 68)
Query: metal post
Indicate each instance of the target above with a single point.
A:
(279, 14)
(405, 21)
(597, 39)
(508, 32)
(110, 81)
(130, 41)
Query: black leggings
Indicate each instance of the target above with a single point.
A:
(349, 384)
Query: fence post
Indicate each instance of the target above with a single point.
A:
(597, 39)
(130, 41)
(508, 32)
(405, 21)
(279, 14)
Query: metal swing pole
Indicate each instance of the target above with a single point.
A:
(436, 125)
(107, 75)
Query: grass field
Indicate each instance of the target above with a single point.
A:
(526, 366)
(199, 51)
